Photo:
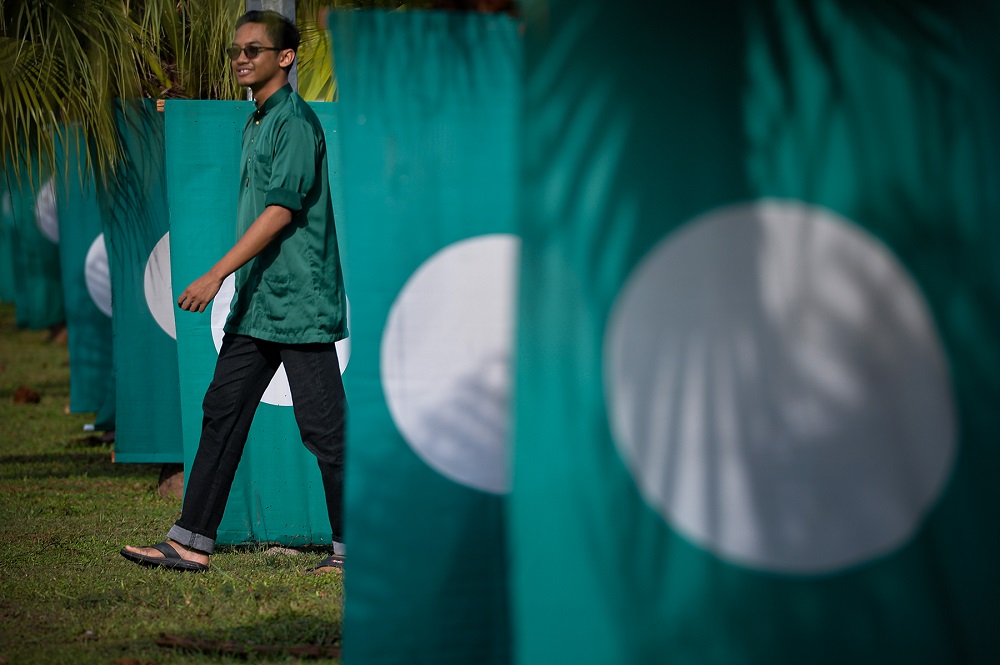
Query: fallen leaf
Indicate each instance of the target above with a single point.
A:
(25, 395)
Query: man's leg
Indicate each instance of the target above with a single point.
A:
(321, 412)
(242, 374)
(243, 371)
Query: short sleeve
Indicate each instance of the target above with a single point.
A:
(293, 167)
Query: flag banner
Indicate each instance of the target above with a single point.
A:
(34, 249)
(277, 495)
(86, 280)
(97, 276)
(104, 419)
(144, 347)
(757, 372)
(8, 290)
(429, 108)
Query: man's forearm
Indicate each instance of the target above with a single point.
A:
(260, 234)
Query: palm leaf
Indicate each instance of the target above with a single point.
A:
(317, 80)
(189, 38)
(64, 62)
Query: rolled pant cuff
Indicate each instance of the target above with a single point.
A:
(195, 541)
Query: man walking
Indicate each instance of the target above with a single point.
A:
(289, 306)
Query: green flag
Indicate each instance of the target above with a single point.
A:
(429, 107)
(85, 277)
(8, 290)
(136, 222)
(38, 297)
(757, 374)
(277, 495)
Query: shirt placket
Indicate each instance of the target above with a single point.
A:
(253, 136)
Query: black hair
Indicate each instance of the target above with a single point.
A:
(280, 29)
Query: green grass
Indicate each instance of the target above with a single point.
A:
(67, 596)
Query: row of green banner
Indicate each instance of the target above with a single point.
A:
(94, 255)
(53, 267)
(672, 330)
(750, 251)
(29, 276)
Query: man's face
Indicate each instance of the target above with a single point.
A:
(255, 73)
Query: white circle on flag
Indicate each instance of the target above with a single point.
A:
(97, 275)
(446, 360)
(278, 392)
(777, 389)
(157, 286)
(5, 205)
(46, 211)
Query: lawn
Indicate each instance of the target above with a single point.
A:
(67, 596)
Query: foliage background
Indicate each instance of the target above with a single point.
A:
(66, 62)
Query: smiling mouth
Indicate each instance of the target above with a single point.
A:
(243, 71)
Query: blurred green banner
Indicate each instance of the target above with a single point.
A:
(757, 370)
(134, 210)
(86, 279)
(429, 108)
(8, 290)
(34, 250)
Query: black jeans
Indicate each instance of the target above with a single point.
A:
(245, 368)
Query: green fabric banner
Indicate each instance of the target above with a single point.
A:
(104, 419)
(34, 249)
(134, 210)
(8, 290)
(429, 110)
(277, 495)
(86, 280)
(757, 369)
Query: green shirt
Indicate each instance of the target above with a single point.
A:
(293, 291)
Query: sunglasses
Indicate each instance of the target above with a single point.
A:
(251, 51)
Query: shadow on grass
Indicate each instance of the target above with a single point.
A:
(54, 388)
(95, 463)
(293, 635)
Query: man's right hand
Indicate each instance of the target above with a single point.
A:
(261, 233)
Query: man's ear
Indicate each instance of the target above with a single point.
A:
(286, 57)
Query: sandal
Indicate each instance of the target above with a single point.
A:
(170, 559)
(334, 561)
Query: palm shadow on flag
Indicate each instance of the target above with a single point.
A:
(753, 361)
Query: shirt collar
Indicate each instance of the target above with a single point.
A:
(278, 96)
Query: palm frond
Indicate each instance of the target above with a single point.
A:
(60, 63)
(190, 38)
(317, 78)
(317, 81)
(67, 62)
